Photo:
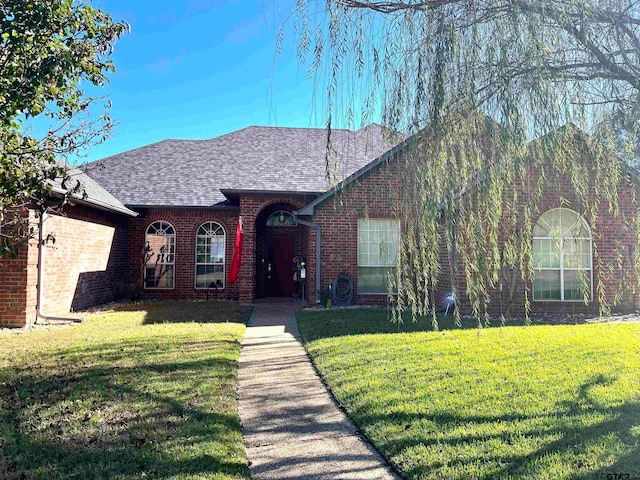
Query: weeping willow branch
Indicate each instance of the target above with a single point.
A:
(493, 92)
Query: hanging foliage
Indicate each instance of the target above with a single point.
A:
(49, 51)
(494, 97)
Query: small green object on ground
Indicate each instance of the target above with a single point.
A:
(117, 397)
(509, 402)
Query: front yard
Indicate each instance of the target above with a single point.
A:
(139, 392)
(507, 402)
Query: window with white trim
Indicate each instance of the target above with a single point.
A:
(160, 249)
(562, 257)
(378, 240)
(210, 248)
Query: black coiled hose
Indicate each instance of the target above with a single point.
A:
(342, 290)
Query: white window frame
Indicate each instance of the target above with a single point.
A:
(287, 215)
(171, 255)
(224, 255)
(562, 268)
(360, 265)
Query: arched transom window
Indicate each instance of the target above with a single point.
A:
(562, 257)
(210, 246)
(160, 245)
(281, 218)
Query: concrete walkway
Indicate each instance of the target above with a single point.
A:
(291, 425)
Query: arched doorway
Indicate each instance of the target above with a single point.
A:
(279, 239)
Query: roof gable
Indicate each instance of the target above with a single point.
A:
(394, 154)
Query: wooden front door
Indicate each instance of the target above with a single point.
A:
(280, 253)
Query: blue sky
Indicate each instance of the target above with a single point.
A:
(198, 69)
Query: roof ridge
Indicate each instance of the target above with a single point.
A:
(264, 127)
(86, 164)
(199, 140)
(376, 124)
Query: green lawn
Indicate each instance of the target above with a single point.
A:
(556, 402)
(132, 393)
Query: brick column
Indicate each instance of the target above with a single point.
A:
(247, 271)
(18, 285)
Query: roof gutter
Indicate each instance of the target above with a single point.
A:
(40, 315)
(316, 227)
(94, 203)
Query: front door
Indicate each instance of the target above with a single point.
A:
(280, 253)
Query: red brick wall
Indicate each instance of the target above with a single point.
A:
(611, 234)
(377, 195)
(186, 224)
(87, 265)
(13, 281)
(18, 278)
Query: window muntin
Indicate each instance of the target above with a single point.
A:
(281, 218)
(210, 256)
(562, 257)
(160, 243)
(378, 240)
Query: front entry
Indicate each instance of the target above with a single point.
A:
(279, 260)
(279, 239)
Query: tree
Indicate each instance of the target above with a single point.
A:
(48, 48)
(530, 65)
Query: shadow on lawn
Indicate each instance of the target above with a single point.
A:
(566, 422)
(184, 311)
(88, 413)
(316, 324)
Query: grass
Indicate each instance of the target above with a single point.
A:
(545, 401)
(184, 311)
(124, 395)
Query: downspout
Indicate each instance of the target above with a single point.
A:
(40, 315)
(316, 227)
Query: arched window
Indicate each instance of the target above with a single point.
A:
(160, 245)
(281, 218)
(562, 257)
(210, 246)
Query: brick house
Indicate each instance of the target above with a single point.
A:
(84, 259)
(362, 213)
(162, 219)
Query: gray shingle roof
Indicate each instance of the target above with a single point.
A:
(193, 172)
(92, 193)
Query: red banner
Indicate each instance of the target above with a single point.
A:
(236, 261)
